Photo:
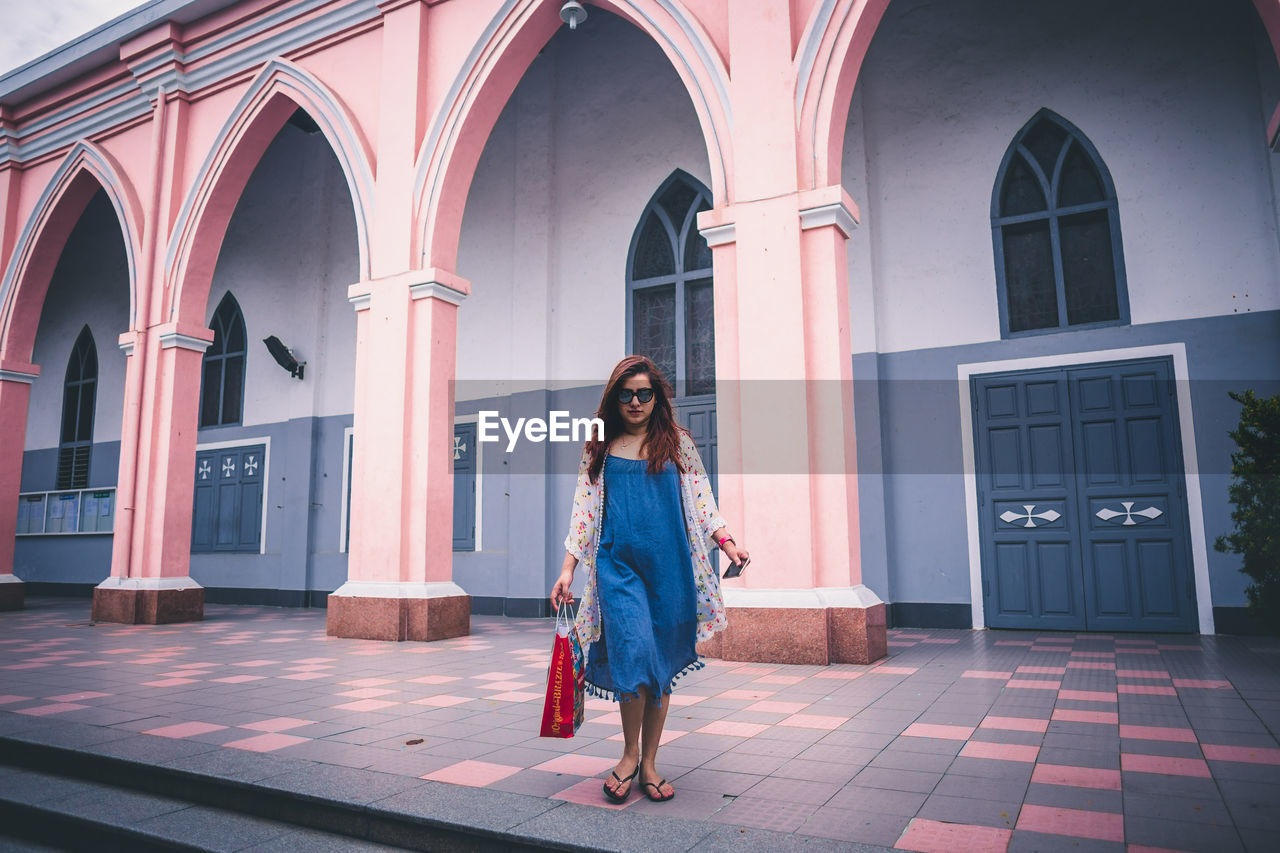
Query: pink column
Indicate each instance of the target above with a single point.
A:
(15, 392)
(400, 564)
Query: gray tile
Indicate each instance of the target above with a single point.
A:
(858, 826)
(119, 807)
(212, 829)
(456, 804)
(1181, 835)
(1071, 797)
(346, 784)
(949, 809)
(860, 799)
(1023, 841)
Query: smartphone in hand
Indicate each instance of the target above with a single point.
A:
(735, 569)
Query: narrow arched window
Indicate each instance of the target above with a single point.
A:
(1056, 228)
(222, 384)
(79, 390)
(669, 304)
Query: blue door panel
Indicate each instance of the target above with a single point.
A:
(1083, 519)
(464, 487)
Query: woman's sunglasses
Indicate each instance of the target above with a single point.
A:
(625, 395)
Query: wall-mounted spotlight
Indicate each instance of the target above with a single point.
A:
(284, 357)
(573, 13)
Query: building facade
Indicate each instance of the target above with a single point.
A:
(952, 297)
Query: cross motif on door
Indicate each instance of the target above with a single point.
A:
(205, 469)
(1150, 513)
(1009, 516)
(228, 467)
(458, 447)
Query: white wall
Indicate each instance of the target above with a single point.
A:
(1167, 92)
(288, 257)
(90, 286)
(597, 123)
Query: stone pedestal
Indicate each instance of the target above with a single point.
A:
(148, 601)
(12, 596)
(375, 610)
(814, 627)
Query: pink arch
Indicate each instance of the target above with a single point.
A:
(449, 154)
(278, 90)
(835, 44)
(84, 171)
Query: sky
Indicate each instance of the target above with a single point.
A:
(32, 28)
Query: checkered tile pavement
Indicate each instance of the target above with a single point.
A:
(966, 740)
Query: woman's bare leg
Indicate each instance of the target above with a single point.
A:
(655, 717)
(633, 718)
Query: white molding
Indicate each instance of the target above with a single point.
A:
(820, 598)
(266, 477)
(170, 340)
(398, 589)
(344, 522)
(475, 419)
(18, 376)
(1177, 351)
(127, 347)
(436, 290)
(10, 579)
(829, 214)
(718, 235)
(183, 582)
(361, 302)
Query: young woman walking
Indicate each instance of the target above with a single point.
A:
(644, 524)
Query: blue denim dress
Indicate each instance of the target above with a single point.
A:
(645, 582)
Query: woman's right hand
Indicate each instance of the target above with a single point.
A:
(560, 593)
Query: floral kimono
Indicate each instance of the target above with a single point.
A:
(701, 519)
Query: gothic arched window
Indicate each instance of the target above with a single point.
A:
(669, 305)
(1056, 229)
(222, 383)
(79, 390)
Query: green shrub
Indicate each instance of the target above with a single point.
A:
(1255, 491)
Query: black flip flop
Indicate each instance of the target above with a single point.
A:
(616, 797)
(645, 786)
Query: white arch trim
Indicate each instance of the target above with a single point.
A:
(280, 76)
(83, 157)
(488, 49)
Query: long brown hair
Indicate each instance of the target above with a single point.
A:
(662, 438)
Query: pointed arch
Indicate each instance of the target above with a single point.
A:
(1055, 225)
(223, 369)
(451, 149)
(275, 94)
(79, 397)
(84, 171)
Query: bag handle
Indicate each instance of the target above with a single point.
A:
(565, 618)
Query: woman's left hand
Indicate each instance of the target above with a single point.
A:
(734, 553)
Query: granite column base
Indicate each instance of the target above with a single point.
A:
(398, 612)
(12, 593)
(148, 603)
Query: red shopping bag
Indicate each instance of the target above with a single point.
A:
(566, 682)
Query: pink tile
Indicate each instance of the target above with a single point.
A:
(938, 731)
(305, 676)
(1077, 777)
(842, 675)
(515, 696)
(238, 679)
(266, 743)
(729, 727)
(779, 679)
(1202, 684)
(184, 673)
(1142, 673)
(505, 685)
(1243, 754)
(9, 698)
(588, 793)
(368, 682)
(496, 676)
(1031, 684)
(28, 665)
(372, 652)
(983, 673)
(1137, 651)
(76, 697)
(366, 693)
(316, 660)
(668, 735)
(813, 721)
(1087, 695)
(777, 707)
(1158, 733)
(1165, 765)
(184, 730)
(613, 718)
(1088, 664)
(1014, 724)
(1147, 689)
(1107, 655)
(681, 700)
(442, 701)
(256, 663)
(895, 670)
(1041, 670)
(1078, 823)
(432, 679)
(45, 710)
(1070, 715)
(940, 641)
(276, 724)
(474, 774)
(576, 765)
(365, 705)
(754, 670)
(1013, 642)
(747, 694)
(1000, 751)
(169, 682)
(933, 836)
(90, 663)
